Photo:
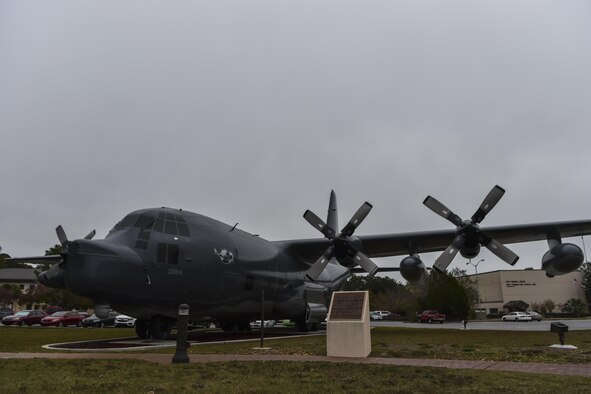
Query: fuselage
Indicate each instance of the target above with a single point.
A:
(155, 259)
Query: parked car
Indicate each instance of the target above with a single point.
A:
(24, 317)
(374, 315)
(385, 315)
(124, 321)
(95, 321)
(516, 316)
(62, 319)
(430, 316)
(257, 323)
(6, 312)
(535, 316)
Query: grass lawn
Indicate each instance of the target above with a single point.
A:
(133, 376)
(399, 342)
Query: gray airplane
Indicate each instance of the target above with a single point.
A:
(155, 259)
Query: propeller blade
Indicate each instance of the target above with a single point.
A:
(448, 255)
(319, 224)
(369, 266)
(332, 218)
(90, 235)
(488, 203)
(356, 220)
(501, 251)
(61, 235)
(442, 210)
(320, 264)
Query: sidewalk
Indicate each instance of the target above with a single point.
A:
(559, 369)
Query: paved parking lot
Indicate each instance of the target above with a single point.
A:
(544, 325)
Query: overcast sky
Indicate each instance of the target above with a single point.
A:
(252, 111)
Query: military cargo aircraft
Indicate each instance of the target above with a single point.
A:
(155, 259)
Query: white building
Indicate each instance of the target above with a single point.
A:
(498, 288)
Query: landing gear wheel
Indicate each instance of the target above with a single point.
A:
(141, 329)
(160, 328)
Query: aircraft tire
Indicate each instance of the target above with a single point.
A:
(141, 329)
(243, 325)
(302, 325)
(159, 328)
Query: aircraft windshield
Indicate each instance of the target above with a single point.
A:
(134, 220)
(166, 222)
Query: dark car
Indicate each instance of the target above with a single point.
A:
(6, 312)
(63, 318)
(95, 321)
(24, 317)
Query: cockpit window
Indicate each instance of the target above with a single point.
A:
(127, 222)
(168, 223)
(172, 224)
(144, 222)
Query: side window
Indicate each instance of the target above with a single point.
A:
(167, 254)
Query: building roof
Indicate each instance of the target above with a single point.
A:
(17, 275)
(516, 304)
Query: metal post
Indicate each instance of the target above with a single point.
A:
(263, 319)
(181, 355)
(477, 282)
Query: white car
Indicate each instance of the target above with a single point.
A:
(517, 316)
(124, 321)
(257, 323)
(375, 315)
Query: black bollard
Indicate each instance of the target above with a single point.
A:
(181, 355)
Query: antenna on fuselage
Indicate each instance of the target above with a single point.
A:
(233, 228)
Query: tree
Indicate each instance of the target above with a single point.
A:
(10, 294)
(547, 307)
(447, 295)
(586, 282)
(384, 293)
(574, 306)
(470, 285)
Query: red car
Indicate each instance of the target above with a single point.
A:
(24, 317)
(63, 318)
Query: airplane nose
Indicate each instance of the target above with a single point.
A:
(95, 268)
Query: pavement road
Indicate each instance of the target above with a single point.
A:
(544, 325)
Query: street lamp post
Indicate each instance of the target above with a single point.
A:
(477, 284)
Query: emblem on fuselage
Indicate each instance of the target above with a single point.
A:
(225, 256)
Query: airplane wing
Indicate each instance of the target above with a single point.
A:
(433, 241)
(35, 259)
(384, 245)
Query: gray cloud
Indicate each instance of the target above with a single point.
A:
(252, 111)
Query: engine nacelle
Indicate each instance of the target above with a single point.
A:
(413, 270)
(315, 313)
(470, 250)
(562, 259)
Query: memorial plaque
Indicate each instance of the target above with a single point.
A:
(347, 306)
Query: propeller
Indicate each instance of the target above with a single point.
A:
(468, 233)
(343, 246)
(63, 238)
